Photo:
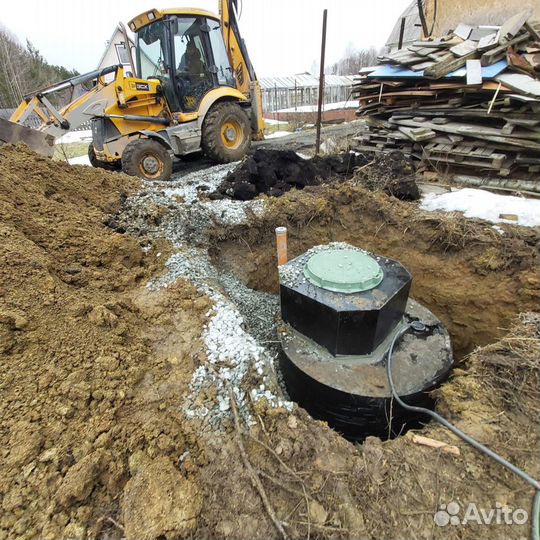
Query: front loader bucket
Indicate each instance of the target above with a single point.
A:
(12, 133)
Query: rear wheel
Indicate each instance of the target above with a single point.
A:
(226, 133)
(95, 162)
(147, 159)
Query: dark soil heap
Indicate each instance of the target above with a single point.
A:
(275, 172)
(392, 173)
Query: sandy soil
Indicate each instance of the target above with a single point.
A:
(92, 365)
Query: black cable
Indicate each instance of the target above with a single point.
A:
(467, 438)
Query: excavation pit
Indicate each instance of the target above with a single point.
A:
(470, 276)
(112, 414)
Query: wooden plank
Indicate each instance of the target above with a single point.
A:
(508, 128)
(524, 122)
(448, 64)
(478, 33)
(474, 72)
(532, 30)
(463, 31)
(422, 51)
(440, 120)
(418, 134)
(438, 54)
(470, 161)
(494, 55)
(512, 26)
(464, 48)
(438, 43)
(422, 65)
(533, 59)
(518, 139)
(487, 42)
(520, 83)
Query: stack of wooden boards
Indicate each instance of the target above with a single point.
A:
(469, 99)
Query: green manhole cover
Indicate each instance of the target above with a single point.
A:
(343, 270)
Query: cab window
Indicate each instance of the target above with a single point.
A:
(221, 60)
(194, 77)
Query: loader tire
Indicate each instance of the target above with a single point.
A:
(95, 162)
(226, 133)
(147, 159)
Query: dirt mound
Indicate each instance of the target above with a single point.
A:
(275, 172)
(92, 366)
(320, 486)
(392, 173)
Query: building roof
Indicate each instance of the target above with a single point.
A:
(413, 28)
(112, 42)
(304, 80)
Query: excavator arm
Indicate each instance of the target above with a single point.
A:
(55, 122)
(130, 104)
(247, 81)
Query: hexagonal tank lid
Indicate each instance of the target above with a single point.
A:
(343, 271)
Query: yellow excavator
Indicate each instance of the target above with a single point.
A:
(195, 90)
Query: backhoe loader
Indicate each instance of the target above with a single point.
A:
(195, 89)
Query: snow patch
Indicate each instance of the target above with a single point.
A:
(79, 160)
(272, 122)
(277, 134)
(75, 136)
(478, 203)
(326, 107)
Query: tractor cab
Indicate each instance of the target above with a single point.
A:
(185, 52)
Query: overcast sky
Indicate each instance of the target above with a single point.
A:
(283, 36)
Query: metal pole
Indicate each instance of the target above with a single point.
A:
(401, 32)
(276, 102)
(321, 85)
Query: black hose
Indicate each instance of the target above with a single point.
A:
(467, 438)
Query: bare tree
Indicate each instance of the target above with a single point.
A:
(353, 60)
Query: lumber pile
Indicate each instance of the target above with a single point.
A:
(470, 99)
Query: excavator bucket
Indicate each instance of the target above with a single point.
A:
(12, 133)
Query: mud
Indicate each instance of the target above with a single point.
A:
(100, 341)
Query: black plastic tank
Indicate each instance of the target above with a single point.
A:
(341, 307)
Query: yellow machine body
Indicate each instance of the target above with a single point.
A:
(170, 105)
